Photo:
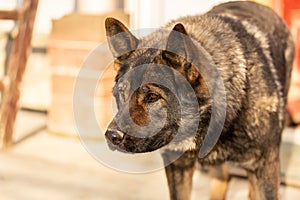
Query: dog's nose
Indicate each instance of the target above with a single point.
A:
(114, 137)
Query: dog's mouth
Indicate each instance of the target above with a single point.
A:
(125, 143)
(119, 141)
(119, 148)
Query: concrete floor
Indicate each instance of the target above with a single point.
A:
(46, 166)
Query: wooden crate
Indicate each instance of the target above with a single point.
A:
(61, 114)
(72, 40)
(75, 35)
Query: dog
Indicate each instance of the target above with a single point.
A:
(237, 60)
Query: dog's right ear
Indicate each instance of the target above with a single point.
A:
(120, 40)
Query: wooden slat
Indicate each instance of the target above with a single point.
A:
(19, 54)
(2, 87)
(9, 14)
(4, 82)
(17, 13)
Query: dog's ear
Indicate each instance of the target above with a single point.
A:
(120, 40)
(180, 52)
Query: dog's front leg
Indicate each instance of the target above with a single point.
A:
(180, 174)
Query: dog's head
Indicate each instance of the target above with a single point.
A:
(148, 89)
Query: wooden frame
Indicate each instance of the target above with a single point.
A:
(10, 83)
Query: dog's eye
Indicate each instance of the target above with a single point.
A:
(151, 97)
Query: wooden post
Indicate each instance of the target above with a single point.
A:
(19, 54)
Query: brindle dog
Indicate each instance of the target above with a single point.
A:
(252, 51)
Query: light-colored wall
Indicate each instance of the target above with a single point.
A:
(54, 9)
(144, 13)
(155, 13)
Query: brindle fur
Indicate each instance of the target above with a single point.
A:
(253, 51)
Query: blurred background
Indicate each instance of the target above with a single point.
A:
(41, 156)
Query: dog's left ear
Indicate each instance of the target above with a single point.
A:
(180, 52)
(120, 40)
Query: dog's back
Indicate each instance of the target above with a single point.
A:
(263, 25)
(253, 50)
